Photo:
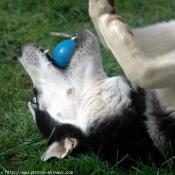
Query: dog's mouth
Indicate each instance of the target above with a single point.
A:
(77, 41)
(82, 39)
(85, 61)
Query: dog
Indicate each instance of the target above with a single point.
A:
(81, 109)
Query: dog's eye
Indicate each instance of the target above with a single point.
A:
(34, 100)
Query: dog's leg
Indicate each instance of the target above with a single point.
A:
(95, 12)
(153, 40)
(146, 71)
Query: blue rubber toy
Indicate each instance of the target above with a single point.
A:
(63, 53)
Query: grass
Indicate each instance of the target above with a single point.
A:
(32, 21)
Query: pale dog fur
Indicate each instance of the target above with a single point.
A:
(151, 45)
(103, 92)
(147, 55)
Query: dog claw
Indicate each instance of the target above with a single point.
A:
(46, 51)
(73, 38)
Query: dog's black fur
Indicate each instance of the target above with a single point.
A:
(115, 138)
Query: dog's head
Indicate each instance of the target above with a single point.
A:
(77, 96)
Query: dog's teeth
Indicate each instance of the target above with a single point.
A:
(46, 51)
(73, 38)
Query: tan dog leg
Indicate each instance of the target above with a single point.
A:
(148, 70)
(96, 9)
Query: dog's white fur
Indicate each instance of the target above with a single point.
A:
(84, 97)
(147, 55)
(88, 98)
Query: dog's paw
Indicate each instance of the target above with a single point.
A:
(100, 7)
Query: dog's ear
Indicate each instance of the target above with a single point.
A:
(60, 149)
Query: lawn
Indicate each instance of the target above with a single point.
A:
(24, 21)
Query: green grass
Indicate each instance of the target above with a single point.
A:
(23, 21)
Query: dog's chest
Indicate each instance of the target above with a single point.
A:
(81, 106)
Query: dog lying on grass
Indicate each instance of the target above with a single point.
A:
(81, 109)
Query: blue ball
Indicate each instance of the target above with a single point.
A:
(63, 53)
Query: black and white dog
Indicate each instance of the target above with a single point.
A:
(81, 108)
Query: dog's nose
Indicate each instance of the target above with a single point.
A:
(18, 51)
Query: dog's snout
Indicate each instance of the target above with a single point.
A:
(18, 51)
